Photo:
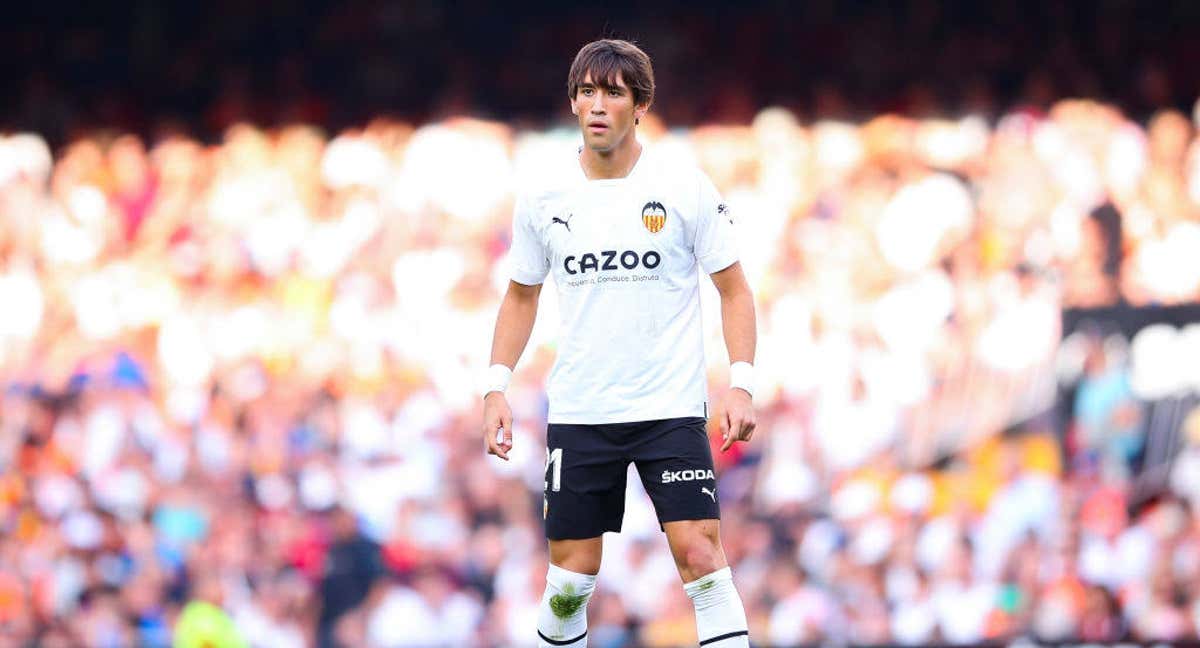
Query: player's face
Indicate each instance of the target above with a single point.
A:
(606, 114)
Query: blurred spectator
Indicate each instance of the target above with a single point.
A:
(351, 567)
(202, 621)
(1106, 413)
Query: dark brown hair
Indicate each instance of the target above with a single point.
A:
(604, 59)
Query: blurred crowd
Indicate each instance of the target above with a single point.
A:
(240, 386)
(199, 67)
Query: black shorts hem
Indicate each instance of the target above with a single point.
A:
(686, 517)
(581, 535)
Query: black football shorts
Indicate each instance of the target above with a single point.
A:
(587, 465)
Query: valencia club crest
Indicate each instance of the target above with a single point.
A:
(654, 216)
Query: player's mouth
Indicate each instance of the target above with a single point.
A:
(597, 127)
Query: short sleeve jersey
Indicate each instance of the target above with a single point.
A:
(624, 254)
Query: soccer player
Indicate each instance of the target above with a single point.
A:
(623, 239)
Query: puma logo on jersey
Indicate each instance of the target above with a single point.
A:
(565, 223)
(669, 476)
(710, 493)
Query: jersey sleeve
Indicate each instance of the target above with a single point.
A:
(714, 245)
(527, 260)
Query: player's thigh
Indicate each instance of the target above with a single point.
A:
(675, 463)
(584, 493)
(580, 556)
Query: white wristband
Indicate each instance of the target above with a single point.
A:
(741, 375)
(497, 379)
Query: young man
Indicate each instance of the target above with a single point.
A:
(623, 239)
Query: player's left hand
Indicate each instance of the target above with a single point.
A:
(737, 422)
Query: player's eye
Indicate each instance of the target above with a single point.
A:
(587, 92)
(615, 92)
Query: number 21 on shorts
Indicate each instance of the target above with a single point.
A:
(554, 459)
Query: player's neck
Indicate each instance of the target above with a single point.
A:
(613, 164)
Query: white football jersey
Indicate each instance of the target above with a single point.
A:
(624, 254)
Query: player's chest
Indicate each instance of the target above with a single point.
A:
(619, 229)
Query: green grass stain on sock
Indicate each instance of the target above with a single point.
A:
(704, 586)
(567, 604)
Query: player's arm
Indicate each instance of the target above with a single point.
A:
(737, 422)
(514, 323)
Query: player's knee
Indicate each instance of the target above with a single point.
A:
(700, 556)
(576, 557)
(580, 564)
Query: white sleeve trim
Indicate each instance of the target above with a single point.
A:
(527, 277)
(718, 261)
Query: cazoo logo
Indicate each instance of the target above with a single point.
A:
(609, 260)
(669, 476)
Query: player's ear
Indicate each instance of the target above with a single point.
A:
(574, 108)
(639, 112)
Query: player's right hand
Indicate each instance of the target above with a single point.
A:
(496, 416)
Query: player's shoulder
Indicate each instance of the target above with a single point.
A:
(554, 176)
(677, 178)
(674, 170)
(671, 163)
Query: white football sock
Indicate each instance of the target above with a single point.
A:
(562, 618)
(720, 617)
